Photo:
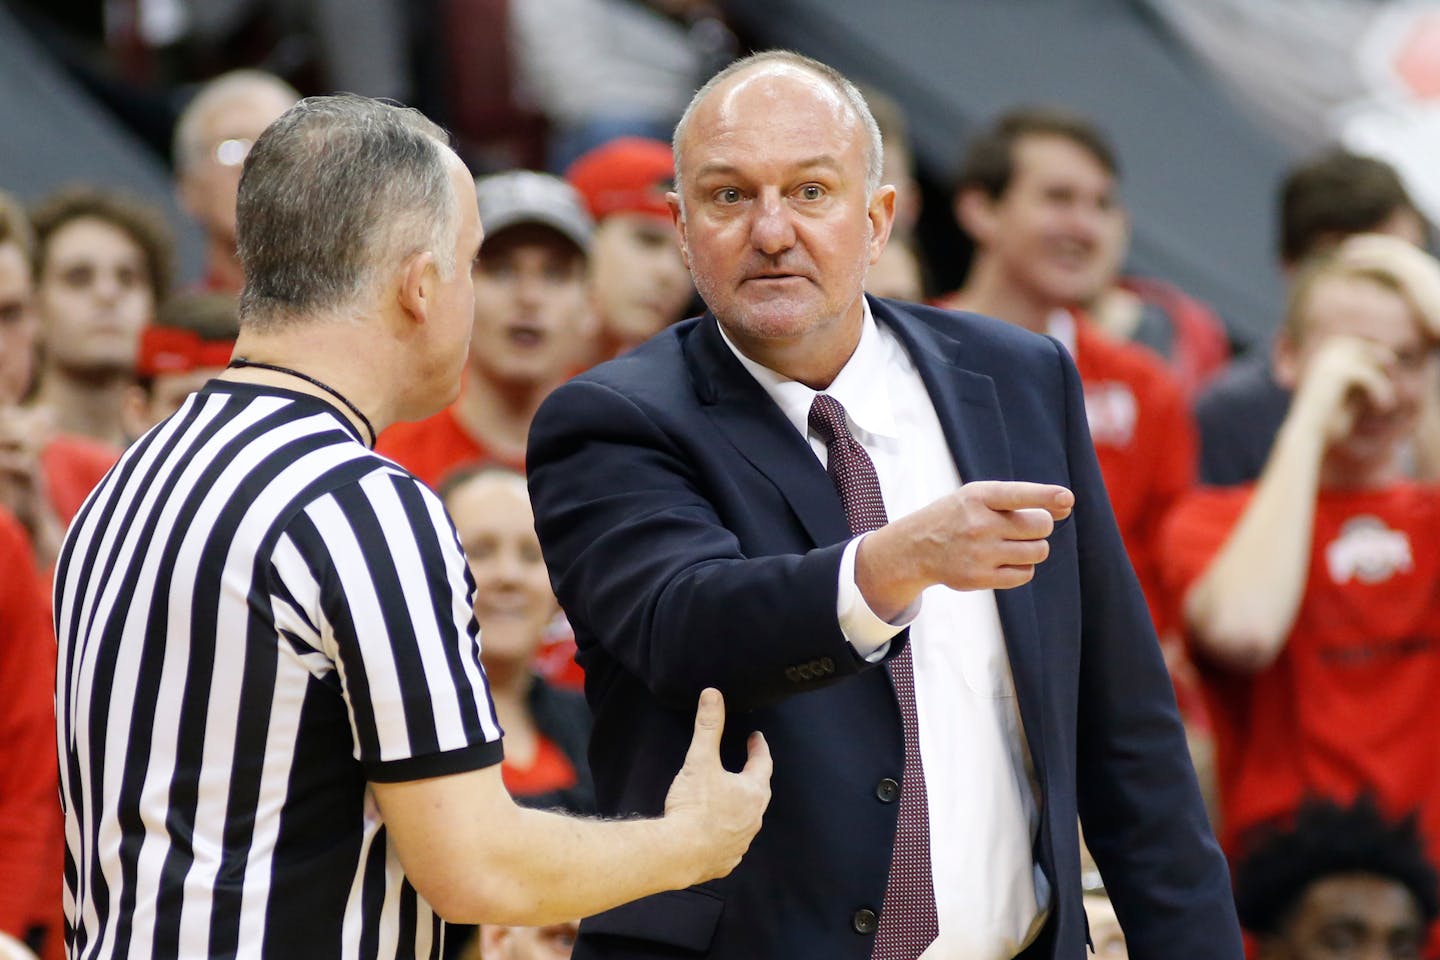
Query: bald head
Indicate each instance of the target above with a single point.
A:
(761, 78)
(245, 99)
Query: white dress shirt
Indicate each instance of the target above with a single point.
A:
(990, 897)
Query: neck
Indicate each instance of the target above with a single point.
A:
(509, 692)
(815, 358)
(87, 407)
(1344, 473)
(498, 414)
(510, 699)
(507, 680)
(987, 291)
(327, 352)
(222, 267)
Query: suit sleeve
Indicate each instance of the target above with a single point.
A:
(645, 567)
(1137, 795)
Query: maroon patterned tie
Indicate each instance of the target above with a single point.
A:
(907, 917)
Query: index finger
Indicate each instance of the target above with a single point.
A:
(1022, 494)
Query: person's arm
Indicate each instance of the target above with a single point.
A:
(988, 535)
(29, 808)
(370, 574)
(477, 857)
(1240, 611)
(630, 521)
(23, 490)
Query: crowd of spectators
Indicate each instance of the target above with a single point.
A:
(1277, 507)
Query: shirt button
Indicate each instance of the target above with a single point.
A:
(887, 790)
(865, 921)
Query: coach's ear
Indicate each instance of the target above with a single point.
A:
(677, 218)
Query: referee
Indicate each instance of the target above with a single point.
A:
(275, 736)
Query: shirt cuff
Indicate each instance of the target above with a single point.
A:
(866, 632)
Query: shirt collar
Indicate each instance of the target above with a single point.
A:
(861, 386)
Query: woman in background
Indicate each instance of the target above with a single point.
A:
(546, 729)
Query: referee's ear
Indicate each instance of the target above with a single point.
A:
(418, 280)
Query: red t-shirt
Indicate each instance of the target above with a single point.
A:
(548, 771)
(1353, 699)
(1145, 441)
(31, 828)
(73, 466)
(432, 447)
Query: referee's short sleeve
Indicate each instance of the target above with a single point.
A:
(396, 620)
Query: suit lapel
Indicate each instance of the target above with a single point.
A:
(965, 401)
(745, 415)
(969, 411)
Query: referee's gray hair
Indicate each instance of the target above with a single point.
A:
(336, 191)
(875, 148)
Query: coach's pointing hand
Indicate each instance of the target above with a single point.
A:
(988, 535)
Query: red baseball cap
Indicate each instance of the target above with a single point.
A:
(172, 350)
(628, 175)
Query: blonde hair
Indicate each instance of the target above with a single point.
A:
(1394, 264)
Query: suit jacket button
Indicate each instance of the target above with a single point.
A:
(887, 790)
(865, 921)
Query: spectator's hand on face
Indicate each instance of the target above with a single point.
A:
(1346, 376)
(23, 436)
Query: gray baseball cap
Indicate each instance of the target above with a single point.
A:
(524, 196)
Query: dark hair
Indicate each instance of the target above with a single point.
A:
(138, 220)
(334, 190)
(1324, 839)
(989, 162)
(1334, 195)
(210, 316)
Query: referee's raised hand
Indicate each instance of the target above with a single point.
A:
(722, 809)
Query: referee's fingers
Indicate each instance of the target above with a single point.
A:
(709, 725)
(758, 765)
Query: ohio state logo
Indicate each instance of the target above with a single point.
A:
(1111, 409)
(1368, 551)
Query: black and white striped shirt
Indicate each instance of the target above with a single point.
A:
(256, 616)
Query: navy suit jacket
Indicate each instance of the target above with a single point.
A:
(694, 540)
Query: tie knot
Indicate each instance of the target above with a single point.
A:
(827, 418)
